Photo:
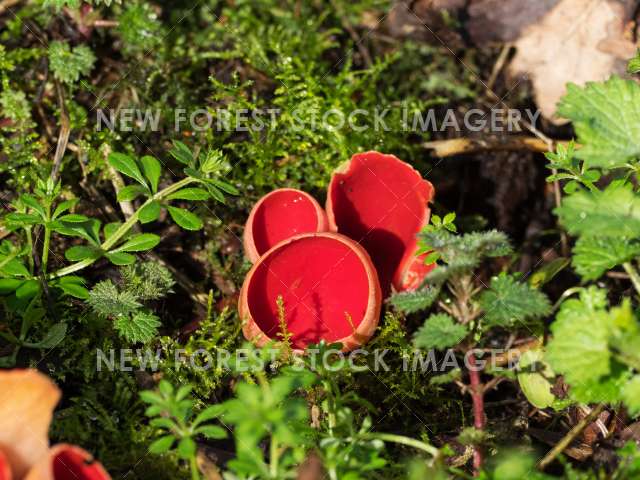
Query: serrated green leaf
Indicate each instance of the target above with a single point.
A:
(139, 243)
(127, 166)
(595, 255)
(606, 121)
(614, 212)
(130, 192)
(68, 64)
(410, 302)
(509, 302)
(189, 194)
(140, 327)
(152, 170)
(439, 331)
(579, 349)
(185, 219)
(631, 395)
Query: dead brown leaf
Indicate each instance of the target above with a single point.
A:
(577, 41)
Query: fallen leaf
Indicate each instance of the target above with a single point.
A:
(577, 41)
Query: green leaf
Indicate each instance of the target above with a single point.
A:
(9, 285)
(130, 192)
(634, 64)
(508, 302)
(107, 301)
(63, 207)
(631, 396)
(150, 212)
(33, 203)
(547, 272)
(184, 218)
(162, 445)
(224, 186)
(186, 448)
(181, 153)
(74, 218)
(606, 121)
(579, 349)
(75, 290)
(534, 377)
(614, 212)
(209, 413)
(127, 166)
(15, 267)
(80, 252)
(439, 331)
(410, 302)
(140, 327)
(54, 336)
(23, 219)
(212, 432)
(139, 243)
(68, 64)
(152, 170)
(28, 289)
(120, 258)
(189, 194)
(595, 255)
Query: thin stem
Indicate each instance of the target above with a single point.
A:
(479, 420)
(30, 256)
(570, 436)
(273, 457)
(45, 249)
(123, 229)
(402, 440)
(193, 463)
(633, 275)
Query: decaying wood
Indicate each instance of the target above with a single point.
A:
(459, 146)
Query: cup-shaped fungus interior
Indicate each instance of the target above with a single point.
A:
(74, 464)
(380, 202)
(283, 214)
(324, 289)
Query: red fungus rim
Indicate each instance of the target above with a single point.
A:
(363, 331)
(406, 264)
(5, 469)
(68, 462)
(248, 238)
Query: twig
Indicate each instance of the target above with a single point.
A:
(633, 275)
(497, 68)
(458, 146)
(63, 136)
(570, 437)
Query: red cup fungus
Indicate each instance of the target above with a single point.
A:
(327, 286)
(279, 215)
(68, 462)
(382, 203)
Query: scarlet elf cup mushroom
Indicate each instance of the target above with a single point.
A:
(328, 290)
(382, 203)
(279, 215)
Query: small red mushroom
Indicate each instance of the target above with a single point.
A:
(279, 215)
(382, 203)
(329, 290)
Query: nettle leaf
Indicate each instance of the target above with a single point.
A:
(184, 218)
(189, 194)
(139, 243)
(150, 212)
(409, 302)
(606, 121)
(127, 166)
(152, 170)
(509, 302)
(579, 349)
(631, 396)
(139, 327)
(440, 331)
(613, 212)
(107, 301)
(595, 255)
